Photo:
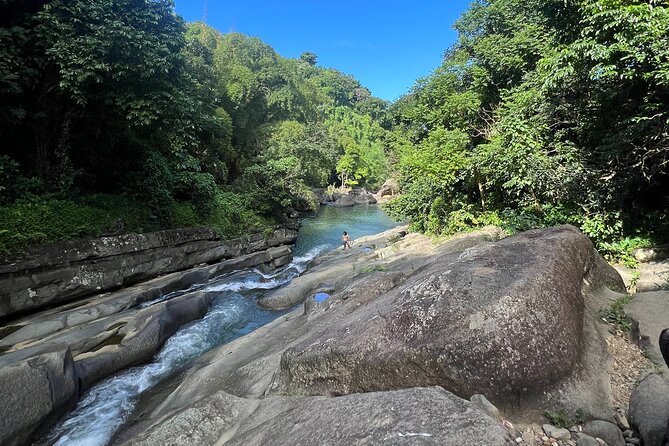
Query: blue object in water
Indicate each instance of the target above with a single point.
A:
(320, 297)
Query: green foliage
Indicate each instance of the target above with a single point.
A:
(373, 268)
(360, 141)
(231, 215)
(50, 218)
(561, 418)
(615, 314)
(562, 109)
(620, 251)
(309, 57)
(121, 98)
(12, 184)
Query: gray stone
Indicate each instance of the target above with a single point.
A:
(141, 337)
(528, 436)
(279, 251)
(309, 304)
(585, 440)
(646, 255)
(344, 202)
(608, 432)
(281, 261)
(649, 409)
(427, 416)
(34, 392)
(364, 198)
(389, 187)
(648, 312)
(71, 270)
(482, 403)
(653, 276)
(622, 421)
(558, 433)
(472, 323)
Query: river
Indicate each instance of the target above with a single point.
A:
(107, 405)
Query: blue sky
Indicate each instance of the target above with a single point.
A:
(386, 45)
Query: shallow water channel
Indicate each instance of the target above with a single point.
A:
(106, 406)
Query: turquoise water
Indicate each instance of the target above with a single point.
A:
(106, 406)
(324, 227)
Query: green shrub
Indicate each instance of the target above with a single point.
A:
(620, 251)
(372, 268)
(231, 214)
(46, 219)
(561, 418)
(615, 314)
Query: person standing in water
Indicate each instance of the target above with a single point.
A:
(346, 240)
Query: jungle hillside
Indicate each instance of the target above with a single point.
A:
(117, 116)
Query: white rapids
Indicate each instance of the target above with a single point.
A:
(107, 406)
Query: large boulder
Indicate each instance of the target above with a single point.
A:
(608, 432)
(389, 187)
(34, 392)
(364, 198)
(344, 201)
(664, 345)
(426, 416)
(471, 323)
(649, 409)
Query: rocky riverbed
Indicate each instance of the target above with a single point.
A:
(513, 319)
(479, 339)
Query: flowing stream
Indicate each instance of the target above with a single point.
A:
(106, 406)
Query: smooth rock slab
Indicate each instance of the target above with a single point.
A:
(34, 392)
(141, 337)
(418, 416)
(471, 323)
(649, 313)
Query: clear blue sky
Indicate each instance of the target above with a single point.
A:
(386, 45)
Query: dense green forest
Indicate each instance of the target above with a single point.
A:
(117, 116)
(543, 112)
